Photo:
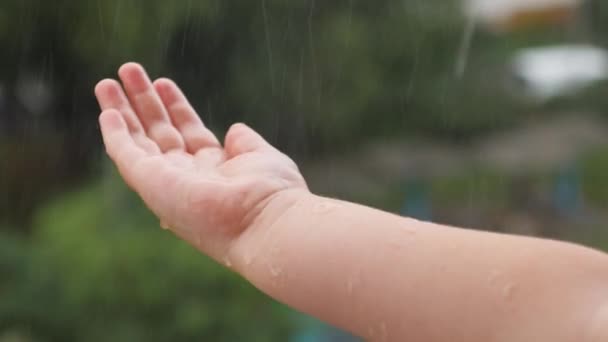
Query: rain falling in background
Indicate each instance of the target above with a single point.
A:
(483, 113)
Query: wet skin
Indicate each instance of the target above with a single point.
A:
(377, 275)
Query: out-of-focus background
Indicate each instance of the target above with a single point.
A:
(482, 113)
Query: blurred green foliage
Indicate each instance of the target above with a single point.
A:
(595, 182)
(315, 77)
(98, 268)
(305, 72)
(489, 186)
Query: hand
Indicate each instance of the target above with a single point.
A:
(207, 194)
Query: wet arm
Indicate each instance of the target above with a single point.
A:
(388, 278)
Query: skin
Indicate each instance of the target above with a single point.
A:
(377, 275)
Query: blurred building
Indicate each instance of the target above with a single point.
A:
(508, 15)
(543, 73)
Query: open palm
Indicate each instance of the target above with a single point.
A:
(206, 193)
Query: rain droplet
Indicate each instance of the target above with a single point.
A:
(274, 270)
(324, 207)
(508, 290)
(465, 47)
(371, 333)
(493, 278)
(353, 281)
(395, 245)
(349, 286)
(383, 332)
(248, 259)
(408, 231)
(227, 262)
(164, 225)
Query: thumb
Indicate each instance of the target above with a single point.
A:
(242, 139)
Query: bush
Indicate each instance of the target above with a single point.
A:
(98, 268)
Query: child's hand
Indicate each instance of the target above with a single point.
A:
(377, 275)
(206, 193)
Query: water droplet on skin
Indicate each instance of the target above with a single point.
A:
(395, 245)
(399, 242)
(227, 262)
(598, 328)
(508, 290)
(371, 333)
(324, 207)
(494, 277)
(248, 259)
(500, 283)
(383, 332)
(353, 281)
(409, 231)
(349, 286)
(251, 255)
(164, 225)
(275, 271)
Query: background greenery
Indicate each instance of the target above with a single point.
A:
(81, 258)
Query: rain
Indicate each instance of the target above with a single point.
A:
(490, 115)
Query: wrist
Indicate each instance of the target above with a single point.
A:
(273, 212)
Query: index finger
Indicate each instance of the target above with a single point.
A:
(119, 143)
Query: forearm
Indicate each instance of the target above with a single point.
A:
(384, 277)
(374, 274)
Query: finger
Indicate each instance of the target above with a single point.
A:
(149, 107)
(184, 117)
(110, 95)
(119, 143)
(242, 139)
(150, 176)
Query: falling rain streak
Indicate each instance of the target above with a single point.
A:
(486, 114)
(464, 52)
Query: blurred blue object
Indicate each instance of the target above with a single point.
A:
(312, 330)
(567, 191)
(417, 201)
